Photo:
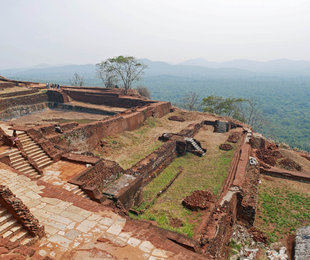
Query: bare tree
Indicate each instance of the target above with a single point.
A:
(144, 92)
(254, 115)
(109, 78)
(191, 101)
(77, 80)
(126, 68)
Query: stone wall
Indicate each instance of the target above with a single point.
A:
(108, 99)
(20, 212)
(19, 93)
(86, 137)
(302, 248)
(18, 106)
(94, 179)
(150, 166)
(238, 201)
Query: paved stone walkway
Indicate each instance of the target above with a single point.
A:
(72, 232)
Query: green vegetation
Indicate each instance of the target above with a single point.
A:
(126, 69)
(281, 210)
(284, 102)
(282, 97)
(121, 147)
(199, 173)
(235, 247)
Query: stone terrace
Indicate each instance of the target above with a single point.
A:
(71, 230)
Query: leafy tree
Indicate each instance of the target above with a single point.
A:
(77, 80)
(224, 106)
(126, 68)
(245, 110)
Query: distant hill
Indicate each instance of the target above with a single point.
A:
(281, 66)
(282, 87)
(88, 71)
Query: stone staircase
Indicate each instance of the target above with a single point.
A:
(75, 190)
(19, 163)
(11, 229)
(33, 150)
(195, 145)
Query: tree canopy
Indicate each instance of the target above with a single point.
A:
(127, 69)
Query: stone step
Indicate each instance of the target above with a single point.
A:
(45, 163)
(26, 240)
(80, 193)
(23, 166)
(27, 142)
(16, 159)
(42, 159)
(19, 236)
(24, 137)
(39, 155)
(31, 154)
(13, 231)
(33, 149)
(30, 171)
(21, 136)
(14, 152)
(75, 190)
(19, 164)
(7, 226)
(2, 211)
(29, 147)
(5, 218)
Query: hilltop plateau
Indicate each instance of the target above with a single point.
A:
(94, 173)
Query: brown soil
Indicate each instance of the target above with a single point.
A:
(146, 136)
(176, 118)
(198, 200)
(269, 155)
(234, 137)
(258, 236)
(303, 162)
(54, 116)
(175, 222)
(226, 147)
(290, 164)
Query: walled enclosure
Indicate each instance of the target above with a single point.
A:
(238, 199)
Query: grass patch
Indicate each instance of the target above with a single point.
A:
(130, 147)
(199, 173)
(281, 210)
(138, 155)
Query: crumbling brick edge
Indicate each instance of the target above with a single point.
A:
(20, 212)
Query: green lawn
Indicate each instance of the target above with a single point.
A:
(199, 173)
(282, 208)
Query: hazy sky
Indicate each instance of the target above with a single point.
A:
(88, 31)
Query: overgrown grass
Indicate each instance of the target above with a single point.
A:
(281, 210)
(199, 173)
(134, 144)
(134, 157)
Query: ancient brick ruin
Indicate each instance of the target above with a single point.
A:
(89, 203)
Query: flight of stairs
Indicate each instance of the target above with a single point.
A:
(33, 150)
(75, 190)
(195, 145)
(11, 229)
(18, 162)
